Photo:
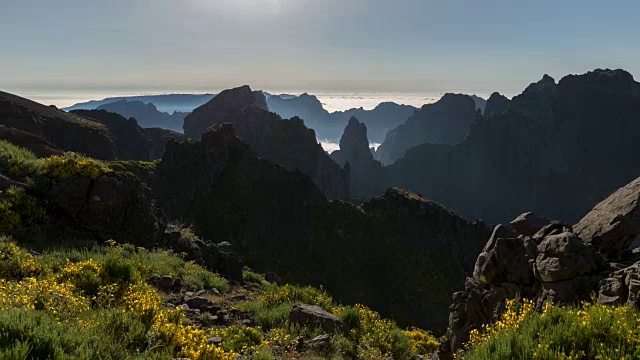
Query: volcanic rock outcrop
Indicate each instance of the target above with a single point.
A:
(366, 173)
(557, 263)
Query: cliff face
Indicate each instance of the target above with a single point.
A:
(216, 110)
(66, 131)
(444, 122)
(366, 173)
(288, 143)
(557, 149)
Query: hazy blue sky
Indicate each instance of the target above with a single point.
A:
(391, 45)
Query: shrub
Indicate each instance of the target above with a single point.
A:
(240, 339)
(295, 294)
(269, 316)
(71, 164)
(16, 263)
(593, 331)
(21, 213)
(18, 161)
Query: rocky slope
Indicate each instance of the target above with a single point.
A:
(63, 130)
(288, 143)
(282, 223)
(551, 262)
(130, 141)
(366, 173)
(147, 115)
(557, 149)
(444, 122)
(37, 144)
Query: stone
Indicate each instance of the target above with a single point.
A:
(319, 341)
(565, 256)
(154, 280)
(166, 282)
(306, 315)
(184, 307)
(613, 224)
(567, 292)
(505, 259)
(612, 291)
(273, 278)
(215, 340)
(198, 303)
(529, 223)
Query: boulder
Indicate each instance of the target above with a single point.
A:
(613, 224)
(506, 260)
(305, 315)
(612, 291)
(565, 256)
(219, 258)
(567, 292)
(529, 223)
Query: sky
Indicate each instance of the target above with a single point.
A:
(310, 45)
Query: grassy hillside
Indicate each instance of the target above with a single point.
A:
(591, 331)
(94, 303)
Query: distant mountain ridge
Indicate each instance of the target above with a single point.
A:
(165, 103)
(147, 115)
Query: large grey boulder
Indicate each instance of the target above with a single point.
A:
(613, 224)
(529, 223)
(505, 259)
(565, 256)
(304, 314)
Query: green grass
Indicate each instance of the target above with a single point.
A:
(269, 316)
(141, 169)
(36, 335)
(18, 161)
(126, 263)
(592, 332)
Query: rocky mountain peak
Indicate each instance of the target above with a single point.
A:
(215, 111)
(496, 104)
(354, 140)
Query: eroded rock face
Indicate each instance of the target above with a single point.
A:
(612, 226)
(366, 173)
